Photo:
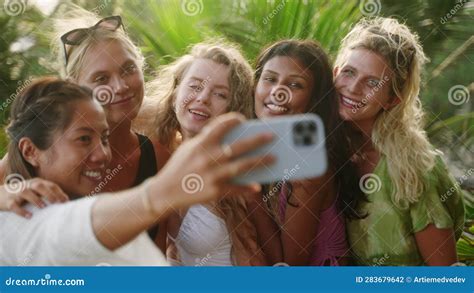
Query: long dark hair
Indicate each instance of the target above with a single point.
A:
(38, 112)
(323, 102)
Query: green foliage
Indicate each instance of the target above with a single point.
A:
(465, 245)
(17, 68)
(166, 28)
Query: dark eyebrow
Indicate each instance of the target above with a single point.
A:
(292, 75)
(298, 76)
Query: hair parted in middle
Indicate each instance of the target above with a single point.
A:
(159, 104)
(324, 103)
(401, 126)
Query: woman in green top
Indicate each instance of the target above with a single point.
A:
(414, 210)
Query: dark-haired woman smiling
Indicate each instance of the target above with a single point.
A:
(306, 223)
(59, 133)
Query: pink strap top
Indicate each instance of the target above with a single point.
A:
(330, 242)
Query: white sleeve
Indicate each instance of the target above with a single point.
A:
(62, 234)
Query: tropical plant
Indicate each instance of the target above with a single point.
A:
(166, 28)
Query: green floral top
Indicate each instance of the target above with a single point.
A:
(386, 235)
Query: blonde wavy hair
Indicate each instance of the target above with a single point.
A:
(160, 106)
(398, 132)
(74, 17)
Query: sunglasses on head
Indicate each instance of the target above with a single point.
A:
(76, 36)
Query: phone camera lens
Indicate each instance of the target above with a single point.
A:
(311, 126)
(299, 128)
(304, 133)
(307, 140)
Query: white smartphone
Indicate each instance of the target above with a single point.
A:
(298, 146)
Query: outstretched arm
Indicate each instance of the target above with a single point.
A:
(201, 159)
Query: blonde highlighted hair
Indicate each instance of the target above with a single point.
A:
(75, 17)
(159, 105)
(398, 132)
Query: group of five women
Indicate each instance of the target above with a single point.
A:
(63, 142)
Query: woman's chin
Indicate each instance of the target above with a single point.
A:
(345, 115)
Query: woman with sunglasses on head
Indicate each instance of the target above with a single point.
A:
(212, 79)
(59, 133)
(414, 210)
(103, 58)
(302, 222)
(97, 53)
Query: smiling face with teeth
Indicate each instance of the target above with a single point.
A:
(364, 86)
(77, 158)
(284, 88)
(203, 94)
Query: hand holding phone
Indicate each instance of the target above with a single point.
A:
(298, 146)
